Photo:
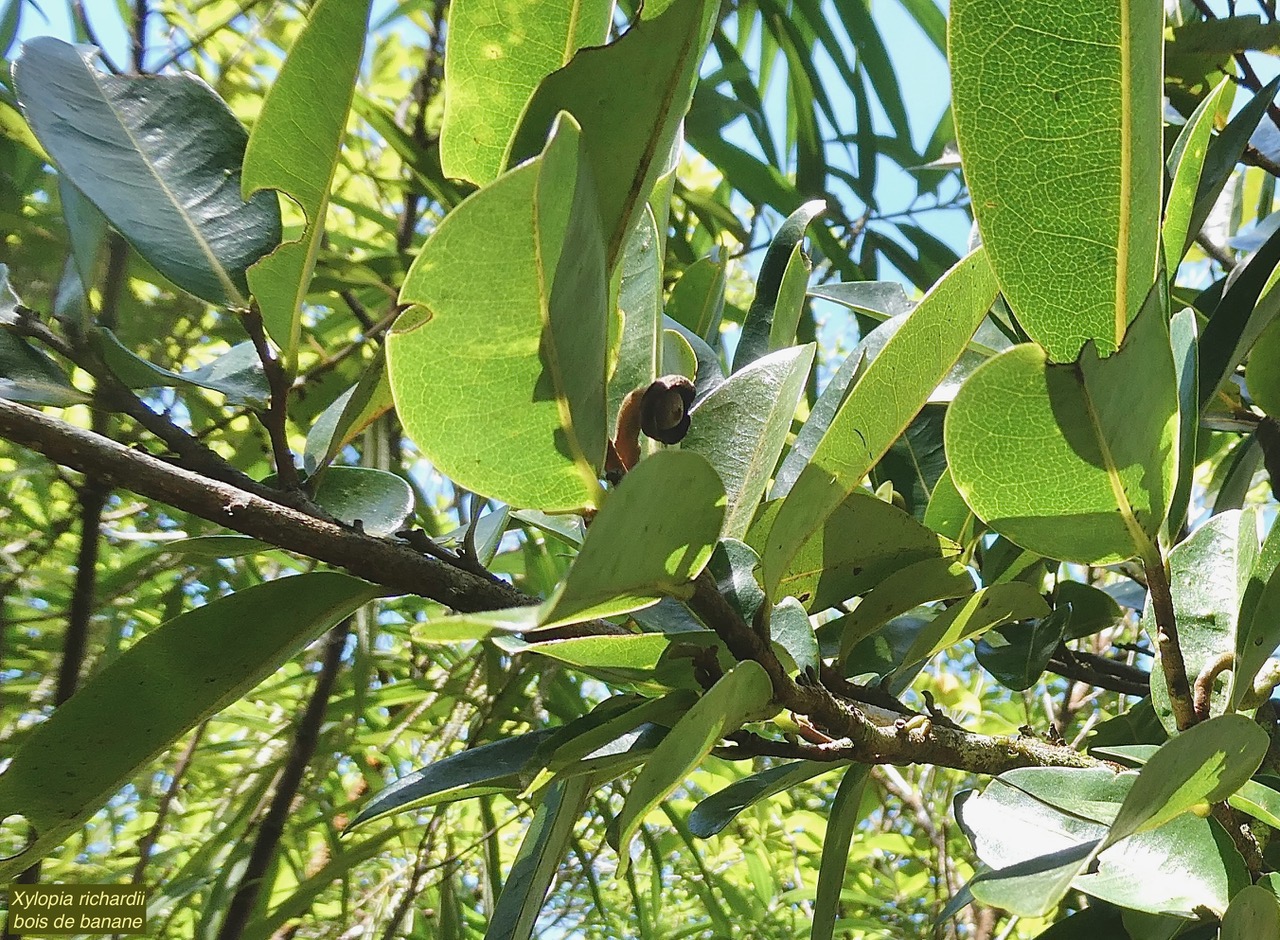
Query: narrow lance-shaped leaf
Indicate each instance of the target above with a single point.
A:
(164, 685)
(757, 327)
(889, 394)
(742, 691)
(495, 56)
(1058, 115)
(835, 849)
(160, 156)
(512, 284)
(294, 148)
(1186, 164)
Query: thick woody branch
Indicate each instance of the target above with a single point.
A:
(391, 564)
(855, 736)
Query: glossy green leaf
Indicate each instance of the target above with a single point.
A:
(634, 651)
(789, 306)
(1104, 472)
(545, 844)
(1259, 801)
(237, 373)
(588, 740)
(1092, 609)
(1188, 864)
(737, 695)
(488, 768)
(1263, 371)
(1186, 163)
(888, 395)
(835, 847)
(715, 812)
(880, 299)
(376, 500)
(629, 97)
(495, 56)
(697, 300)
(161, 687)
(654, 534)
(948, 514)
(160, 155)
(1204, 764)
(1208, 574)
(790, 629)
(1017, 655)
(526, 376)
(640, 303)
(1064, 170)
(1253, 913)
(742, 425)
(733, 565)
(294, 148)
(28, 375)
(219, 546)
(934, 579)
(861, 544)
(477, 626)
(757, 328)
(987, 608)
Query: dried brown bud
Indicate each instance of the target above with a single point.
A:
(664, 409)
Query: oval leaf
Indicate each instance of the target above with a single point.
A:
(525, 381)
(160, 155)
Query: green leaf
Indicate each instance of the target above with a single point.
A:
(735, 697)
(1188, 864)
(640, 303)
(1104, 472)
(1091, 609)
(219, 546)
(527, 342)
(653, 536)
(1263, 371)
(733, 565)
(882, 300)
(1208, 574)
(678, 357)
(742, 425)
(351, 412)
(294, 148)
(987, 608)
(1238, 319)
(629, 97)
(488, 768)
(1254, 912)
(842, 821)
(633, 652)
(1258, 630)
(237, 373)
(1017, 655)
(1186, 163)
(1058, 116)
(890, 393)
(495, 57)
(1204, 764)
(1184, 340)
(160, 155)
(28, 375)
(142, 701)
(376, 500)
(697, 300)
(790, 629)
(541, 853)
(715, 812)
(934, 579)
(757, 328)
(1259, 801)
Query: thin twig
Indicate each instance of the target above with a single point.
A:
(276, 416)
